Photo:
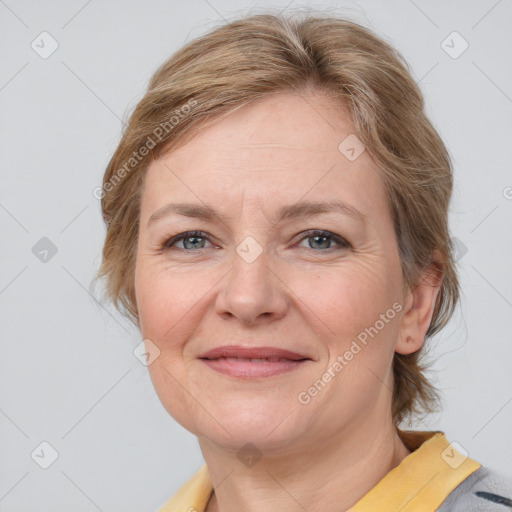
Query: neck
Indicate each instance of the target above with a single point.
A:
(331, 475)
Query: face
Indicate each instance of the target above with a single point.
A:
(261, 272)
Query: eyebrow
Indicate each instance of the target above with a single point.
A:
(302, 209)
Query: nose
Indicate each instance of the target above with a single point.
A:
(252, 291)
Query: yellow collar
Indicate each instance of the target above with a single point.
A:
(420, 483)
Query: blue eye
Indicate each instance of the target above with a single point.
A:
(319, 241)
(191, 240)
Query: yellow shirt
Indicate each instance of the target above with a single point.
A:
(420, 483)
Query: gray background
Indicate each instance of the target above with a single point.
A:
(68, 375)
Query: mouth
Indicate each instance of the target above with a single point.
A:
(255, 362)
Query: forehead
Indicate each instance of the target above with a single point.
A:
(276, 150)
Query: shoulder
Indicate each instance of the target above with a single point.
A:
(485, 490)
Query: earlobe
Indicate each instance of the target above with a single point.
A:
(419, 308)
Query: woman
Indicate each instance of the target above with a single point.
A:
(278, 230)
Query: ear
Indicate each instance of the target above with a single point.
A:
(419, 305)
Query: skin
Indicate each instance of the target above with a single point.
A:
(309, 295)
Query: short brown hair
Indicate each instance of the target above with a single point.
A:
(264, 54)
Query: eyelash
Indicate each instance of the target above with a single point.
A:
(342, 243)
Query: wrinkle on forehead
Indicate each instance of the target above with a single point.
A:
(227, 144)
(265, 145)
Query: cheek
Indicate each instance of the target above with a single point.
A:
(169, 302)
(344, 300)
(358, 307)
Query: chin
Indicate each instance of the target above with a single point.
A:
(256, 426)
(248, 438)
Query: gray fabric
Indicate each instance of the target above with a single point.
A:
(485, 490)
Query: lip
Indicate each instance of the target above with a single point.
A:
(252, 353)
(237, 361)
